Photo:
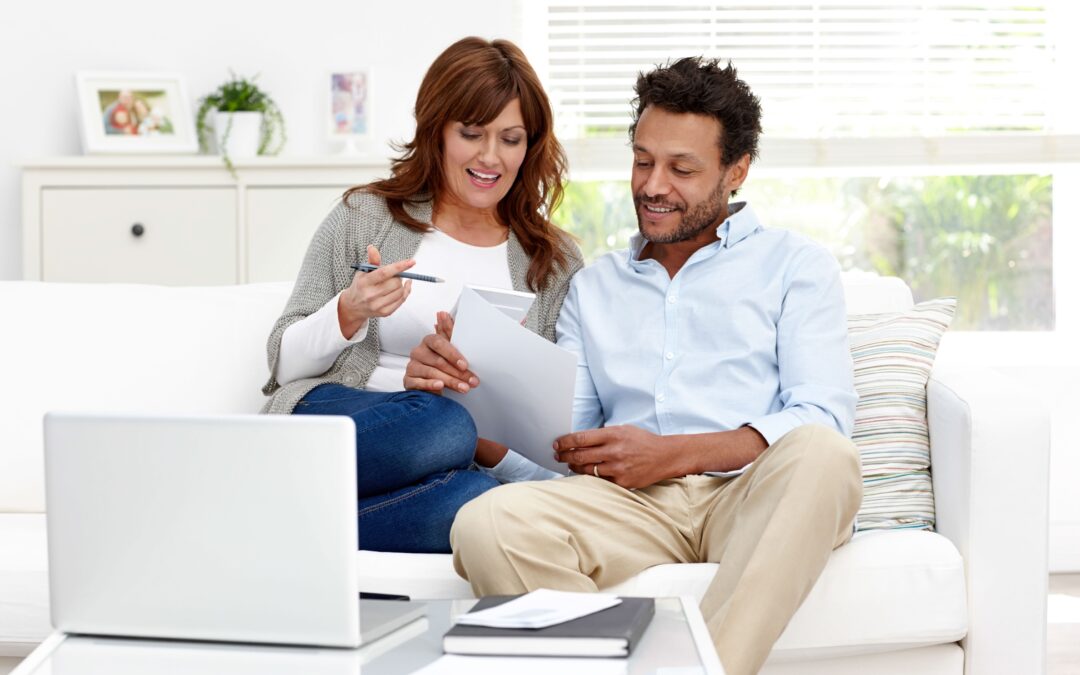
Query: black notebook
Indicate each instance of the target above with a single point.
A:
(614, 631)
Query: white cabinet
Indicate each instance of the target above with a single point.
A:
(281, 221)
(178, 220)
(173, 236)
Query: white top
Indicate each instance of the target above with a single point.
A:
(310, 346)
(458, 263)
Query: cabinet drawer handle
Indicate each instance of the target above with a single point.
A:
(137, 229)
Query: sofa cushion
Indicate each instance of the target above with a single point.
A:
(124, 348)
(893, 355)
(24, 583)
(884, 590)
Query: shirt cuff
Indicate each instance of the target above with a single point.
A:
(773, 427)
(513, 468)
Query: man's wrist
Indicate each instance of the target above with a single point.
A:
(689, 459)
(719, 451)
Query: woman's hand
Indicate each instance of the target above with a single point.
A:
(372, 294)
(435, 363)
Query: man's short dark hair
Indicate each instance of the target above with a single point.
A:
(702, 86)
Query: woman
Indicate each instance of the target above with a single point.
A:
(466, 201)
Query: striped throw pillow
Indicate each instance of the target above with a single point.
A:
(893, 355)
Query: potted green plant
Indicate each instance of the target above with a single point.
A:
(246, 121)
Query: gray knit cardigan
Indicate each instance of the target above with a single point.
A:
(342, 240)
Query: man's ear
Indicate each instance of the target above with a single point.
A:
(736, 173)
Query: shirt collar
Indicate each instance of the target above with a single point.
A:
(740, 224)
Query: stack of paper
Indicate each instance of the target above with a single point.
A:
(540, 609)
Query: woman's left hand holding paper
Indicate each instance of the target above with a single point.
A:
(436, 364)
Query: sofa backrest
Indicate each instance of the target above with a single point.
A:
(156, 349)
(118, 347)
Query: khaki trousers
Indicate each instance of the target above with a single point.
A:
(771, 529)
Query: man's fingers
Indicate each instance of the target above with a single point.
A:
(581, 457)
(581, 439)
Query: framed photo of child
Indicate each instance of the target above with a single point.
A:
(135, 113)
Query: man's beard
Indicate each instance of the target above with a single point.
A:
(704, 215)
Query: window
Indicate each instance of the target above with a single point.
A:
(930, 141)
(872, 68)
(983, 238)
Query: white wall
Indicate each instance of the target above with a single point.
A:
(291, 46)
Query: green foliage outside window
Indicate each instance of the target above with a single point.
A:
(984, 239)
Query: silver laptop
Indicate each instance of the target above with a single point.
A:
(228, 528)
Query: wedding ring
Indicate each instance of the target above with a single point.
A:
(596, 470)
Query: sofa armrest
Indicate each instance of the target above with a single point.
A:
(990, 450)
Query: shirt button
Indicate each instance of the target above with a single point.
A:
(660, 397)
(350, 379)
(669, 356)
(671, 299)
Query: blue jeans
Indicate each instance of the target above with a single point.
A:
(413, 452)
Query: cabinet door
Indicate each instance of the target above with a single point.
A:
(170, 236)
(280, 224)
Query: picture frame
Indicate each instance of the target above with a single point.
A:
(135, 112)
(348, 98)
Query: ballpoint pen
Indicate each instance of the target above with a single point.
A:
(363, 267)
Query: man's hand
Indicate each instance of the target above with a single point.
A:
(625, 455)
(435, 363)
(634, 458)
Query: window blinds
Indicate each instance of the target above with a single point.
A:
(822, 70)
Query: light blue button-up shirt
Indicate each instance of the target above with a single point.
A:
(752, 330)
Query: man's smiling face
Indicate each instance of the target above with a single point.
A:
(678, 181)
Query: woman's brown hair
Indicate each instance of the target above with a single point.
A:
(471, 82)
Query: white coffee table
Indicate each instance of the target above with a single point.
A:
(676, 641)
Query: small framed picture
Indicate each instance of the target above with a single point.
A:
(349, 117)
(135, 113)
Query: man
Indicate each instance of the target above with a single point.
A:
(714, 345)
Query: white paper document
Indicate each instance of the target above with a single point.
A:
(526, 395)
(540, 609)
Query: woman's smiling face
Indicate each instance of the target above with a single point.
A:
(480, 163)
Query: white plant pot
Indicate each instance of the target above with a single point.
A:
(243, 140)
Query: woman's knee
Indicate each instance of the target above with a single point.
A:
(468, 485)
(455, 429)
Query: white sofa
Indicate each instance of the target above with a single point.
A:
(970, 598)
